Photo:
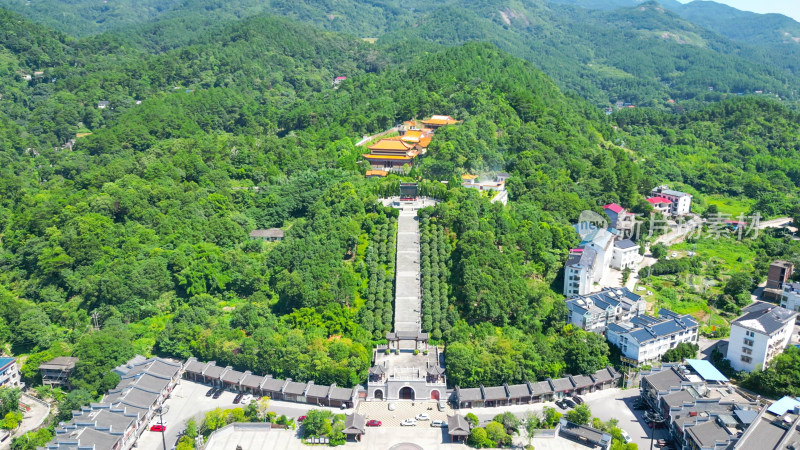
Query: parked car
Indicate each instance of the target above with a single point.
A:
(639, 404)
(218, 393)
(159, 428)
(247, 399)
(439, 424)
(211, 392)
(374, 423)
(626, 437)
(301, 418)
(570, 402)
(441, 405)
(408, 423)
(238, 397)
(423, 416)
(561, 404)
(578, 399)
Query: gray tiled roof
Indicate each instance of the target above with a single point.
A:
(252, 381)
(355, 424)
(318, 390)
(584, 258)
(582, 381)
(457, 425)
(84, 438)
(273, 384)
(469, 394)
(60, 363)
(145, 382)
(232, 376)
(133, 396)
(214, 371)
(342, 394)
(541, 387)
(195, 366)
(294, 388)
(157, 366)
(602, 376)
(665, 379)
(518, 390)
(677, 399)
(706, 434)
(495, 393)
(765, 319)
(625, 244)
(561, 384)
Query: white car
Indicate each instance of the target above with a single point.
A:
(625, 436)
(423, 416)
(408, 423)
(247, 399)
(674, 255)
(439, 424)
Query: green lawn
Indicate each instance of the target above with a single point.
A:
(730, 205)
(730, 254)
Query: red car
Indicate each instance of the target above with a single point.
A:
(301, 418)
(159, 428)
(374, 423)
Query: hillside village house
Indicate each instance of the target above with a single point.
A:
(780, 272)
(56, 372)
(645, 338)
(660, 204)
(625, 254)
(680, 202)
(621, 220)
(587, 263)
(579, 272)
(9, 372)
(595, 312)
(791, 297)
(760, 334)
(270, 234)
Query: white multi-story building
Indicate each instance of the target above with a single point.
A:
(626, 254)
(9, 373)
(791, 297)
(681, 201)
(579, 272)
(646, 338)
(595, 312)
(760, 334)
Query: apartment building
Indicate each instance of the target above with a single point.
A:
(760, 334)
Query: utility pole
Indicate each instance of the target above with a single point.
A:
(161, 411)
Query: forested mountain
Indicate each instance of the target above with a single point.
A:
(642, 55)
(735, 24)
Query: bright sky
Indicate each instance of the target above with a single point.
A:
(789, 8)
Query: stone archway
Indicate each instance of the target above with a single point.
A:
(434, 395)
(406, 393)
(378, 394)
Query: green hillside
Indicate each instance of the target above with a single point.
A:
(642, 55)
(139, 212)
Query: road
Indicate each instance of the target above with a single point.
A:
(382, 133)
(501, 197)
(189, 400)
(679, 232)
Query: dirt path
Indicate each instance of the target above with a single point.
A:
(369, 138)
